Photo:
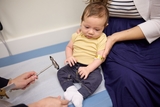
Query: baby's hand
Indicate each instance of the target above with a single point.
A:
(83, 72)
(71, 61)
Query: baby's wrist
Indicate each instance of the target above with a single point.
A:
(99, 57)
(69, 56)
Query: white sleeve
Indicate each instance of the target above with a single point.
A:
(151, 28)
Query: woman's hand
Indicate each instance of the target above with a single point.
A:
(134, 33)
(50, 102)
(109, 44)
(24, 80)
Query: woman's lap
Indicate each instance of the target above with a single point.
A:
(132, 69)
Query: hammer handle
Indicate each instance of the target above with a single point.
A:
(44, 70)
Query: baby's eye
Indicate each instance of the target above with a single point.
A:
(97, 29)
(86, 27)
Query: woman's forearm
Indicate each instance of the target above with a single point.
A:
(134, 33)
(130, 34)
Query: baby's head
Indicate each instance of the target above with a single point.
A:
(94, 19)
(91, 1)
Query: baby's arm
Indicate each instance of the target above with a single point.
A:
(69, 54)
(85, 71)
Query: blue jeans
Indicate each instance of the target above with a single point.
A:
(69, 75)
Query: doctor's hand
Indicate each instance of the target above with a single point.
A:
(50, 102)
(24, 80)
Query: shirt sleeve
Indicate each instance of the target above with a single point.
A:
(3, 82)
(151, 28)
(74, 36)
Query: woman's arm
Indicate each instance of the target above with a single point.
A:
(149, 29)
(47, 102)
(134, 33)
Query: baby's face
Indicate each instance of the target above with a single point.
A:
(92, 27)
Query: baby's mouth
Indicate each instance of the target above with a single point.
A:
(89, 37)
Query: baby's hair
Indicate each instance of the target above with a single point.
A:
(103, 1)
(97, 9)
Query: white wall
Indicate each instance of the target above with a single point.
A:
(32, 24)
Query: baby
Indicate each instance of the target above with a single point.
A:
(84, 55)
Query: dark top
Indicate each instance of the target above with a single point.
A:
(3, 83)
(20, 105)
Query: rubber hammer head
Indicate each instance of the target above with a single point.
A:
(54, 63)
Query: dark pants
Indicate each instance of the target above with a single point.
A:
(132, 68)
(68, 75)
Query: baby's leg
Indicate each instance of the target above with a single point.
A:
(69, 93)
(77, 99)
(65, 76)
(88, 87)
